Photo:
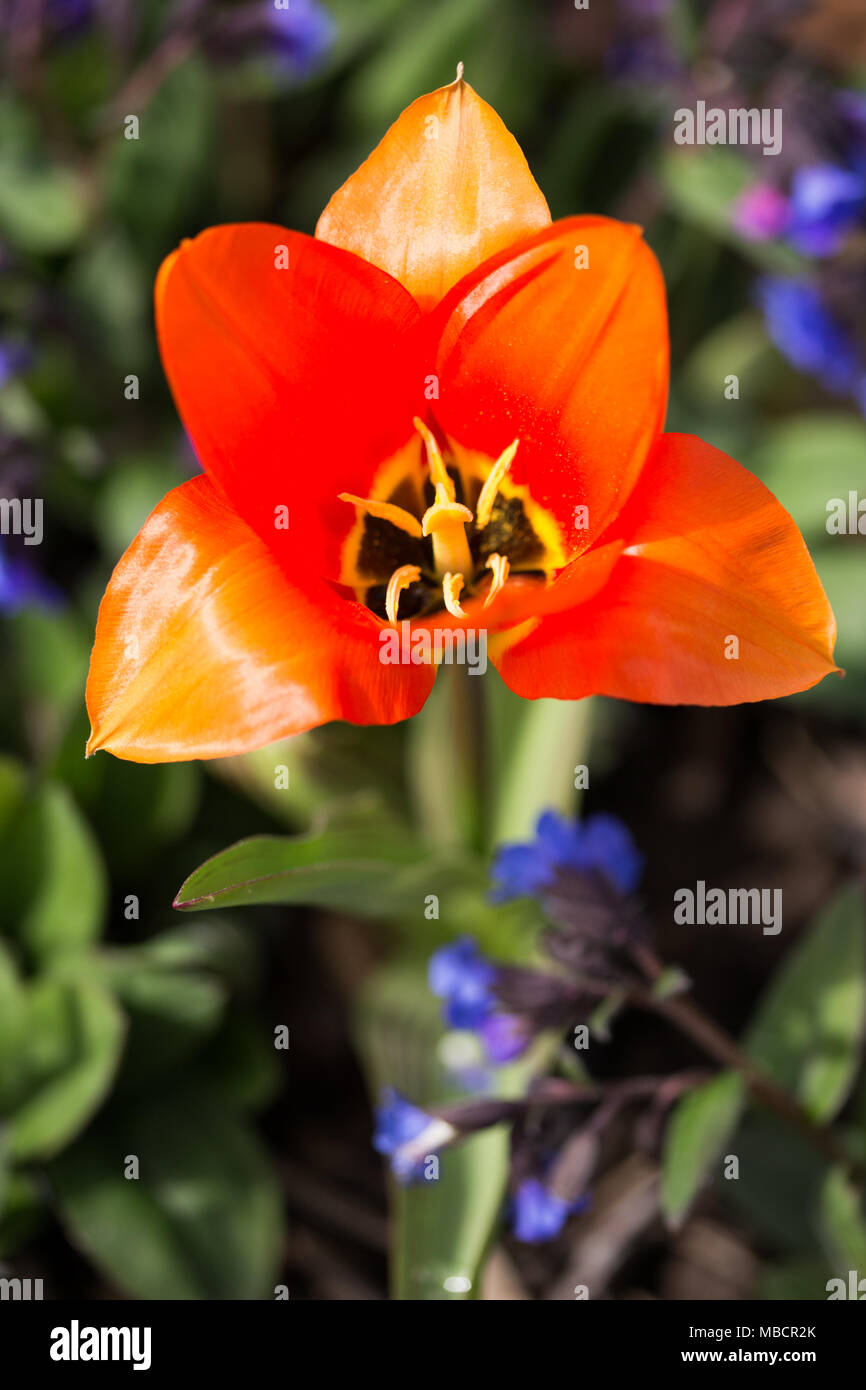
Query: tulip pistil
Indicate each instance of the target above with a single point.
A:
(437, 523)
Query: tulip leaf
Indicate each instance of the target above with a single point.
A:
(809, 1027)
(440, 1228)
(203, 1219)
(698, 1128)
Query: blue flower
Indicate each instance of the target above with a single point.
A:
(802, 328)
(538, 1214)
(505, 1036)
(459, 974)
(398, 1123)
(14, 358)
(599, 844)
(22, 586)
(826, 202)
(301, 33)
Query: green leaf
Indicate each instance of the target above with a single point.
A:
(353, 869)
(373, 869)
(441, 1229)
(68, 1060)
(785, 461)
(809, 1027)
(699, 1127)
(171, 1016)
(54, 882)
(842, 1222)
(202, 1221)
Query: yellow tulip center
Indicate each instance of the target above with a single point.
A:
(458, 529)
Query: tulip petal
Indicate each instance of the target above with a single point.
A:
(447, 187)
(292, 366)
(206, 648)
(561, 343)
(710, 556)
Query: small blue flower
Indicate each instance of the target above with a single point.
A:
(505, 1036)
(459, 974)
(22, 586)
(599, 844)
(301, 32)
(14, 358)
(538, 1214)
(802, 328)
(398, 1122)
(827, 201)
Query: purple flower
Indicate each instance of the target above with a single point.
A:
(761, 212)
(538, 1214)
(301, 33)
(827, 201)
(22, 586)
(14, 358)
(505, 1036)
(803, 328)
(600, 844)
(459, 974)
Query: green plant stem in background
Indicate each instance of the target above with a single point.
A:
(550, 740)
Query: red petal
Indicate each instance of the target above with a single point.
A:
(205, 648)
(295, 383)
(573, 362)
(711, 555)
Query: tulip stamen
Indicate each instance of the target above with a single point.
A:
(439, 474)
(500, 566)
(446, 522)
(385, 511)
(452, 584)
(400, 580)
(487, 496)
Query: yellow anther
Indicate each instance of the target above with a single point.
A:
(451, 587)
(446, 522)
(386, 511)
(435, 462)
(487, 496)
(400, 580)
(500, 566)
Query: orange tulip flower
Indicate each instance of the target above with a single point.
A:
(445, 411)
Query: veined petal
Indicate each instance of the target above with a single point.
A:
(713, 601)
(205, 647)
(562, 343)
(447, 187)
(293, 368)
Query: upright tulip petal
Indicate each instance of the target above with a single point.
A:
(560, 342)
(293, 368)
(447, 187)
(206, 648)
(710, 556)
